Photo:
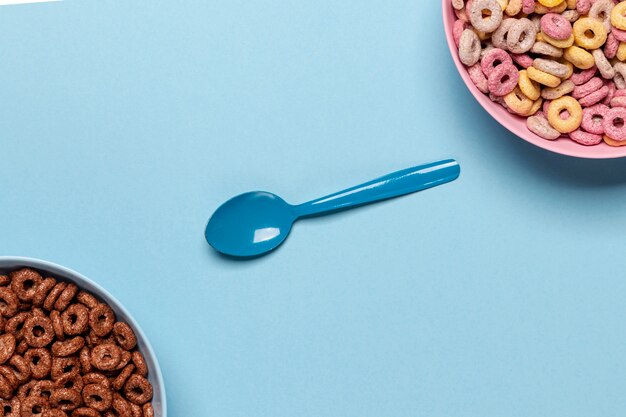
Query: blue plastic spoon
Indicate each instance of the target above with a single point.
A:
(257, 222)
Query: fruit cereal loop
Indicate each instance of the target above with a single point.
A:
(562, 44)
(148, 410)
(614, 124)
(585, 26)
(8, 302)
(601, 10)
(589, 87)
(66, 297)
(478, 78)
(523, 60)
(140, 363)
(75, 319)
(68, 347)
(106, 357)
(503, 79)
(97, 396)
(556, 110)
(521, 36)
(556, 26)
(543, 78)
(482, 24)
(498, 38)
(7, 347)
(551, 67)
(579, 78)
(38, 331)
(66, 399)
(34, 406)
(24, 283)
(493, 58)
(40, 362)
(457, 30)
(57, 325)
(612, 142)
(540, 126)
(101, 320)
(530, 88)
(603, 64)
(469, 47)
(513, 8)
(583, 6)
(138, 389)
(612, 91)
(458, 4)
(595, 97)
(579, 57)
(87, 299)
(620, 75)
(543, 48)
(48, 303)
(618, 101)
(611, 46)
(124, 336)
(618, 16)
(571, 15)
(562, 89)
(518, 103)
(619, 34)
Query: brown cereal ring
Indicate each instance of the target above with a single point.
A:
(70, 381)
(75, 319)
(61, 366)
(8, 302)
(26, 389)
(3, 323)
(22, 347)
(96, 378)
(101, 320)
(138, 390)
(140, 363)
(54, 412)
(85, 412)
(126, 358)
(40, 362)
(106, 357)
(42, 291)
(97, 396)
(4, 280)
(11, 408)
(6, 390)
(24, 283)
(10, 377)
(121, 406)
(135, 410)
(148, 410)
(87, 299)
(38, 331)
(69, 347)
(124, 335)
(66, 297)
(34, 406)
(57, 325)
(7, 347)
(15, 324)
(52, 296)
(85, 360)
(21, 368)
(121, 379)
(94, 340)
(43, 389)
(66, 399)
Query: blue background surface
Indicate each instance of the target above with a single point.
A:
(123, 124)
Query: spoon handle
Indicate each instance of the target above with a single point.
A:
(393, 185)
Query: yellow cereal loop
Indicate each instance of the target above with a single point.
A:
(589, 33)
(570, 69)
(621, 52)
(535, 108)
(579, 57)
(542, 78)
(618, 16)
(503, 3)
(613, 142)
(561, 105)
(559, 43)
(529, 87)
(571, 4)
(513, 8)
(541, 9)
(550, 3)
(518, 102)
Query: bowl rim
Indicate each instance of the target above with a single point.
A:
(72, 275)
(507, 122)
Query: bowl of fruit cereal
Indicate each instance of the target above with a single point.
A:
(553, 72)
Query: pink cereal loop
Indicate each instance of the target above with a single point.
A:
(503, 79)
(589, 87)
(478, 78)
(595, 97)
(583, 6)
(620, 35)
(523, 60)
(457, 30)
(615, 124)
(582, 77)
(612, 91)
(528, 6)
(618, 102)
(585, 138)
(593, 118)
(611, 46)
(620, 93)
(493, 58)
(556, 26)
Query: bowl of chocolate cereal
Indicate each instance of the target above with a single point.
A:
(69, 349)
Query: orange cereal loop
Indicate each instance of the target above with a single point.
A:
(57, 325)
(140, 363)
(75, 319)
(66, 297)
(87, 299)
(7, 347)
(68, 347)
(52, 296)
(101, 320)
(138, 390)
(42, 290)
(39, 361)
(612, 142)
(24, 283)
(106, 357)
(66, 399)
(121, 379)
(97, 396)
(38, 331)
(124, 336)
(148, 410)
(8, 302)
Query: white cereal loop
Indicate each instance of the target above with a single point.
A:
(546, 49)
(458, 4)
(603, 64)
(469, 47)
(485, 23)
(551, 67)
(571, 15)
(498, 38)
(601, 10)
(620, 75)
(559, 91)
(521, 36)
(540, 126)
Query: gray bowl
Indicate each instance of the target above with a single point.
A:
(8, 263)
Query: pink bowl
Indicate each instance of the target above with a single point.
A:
(516, 124)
